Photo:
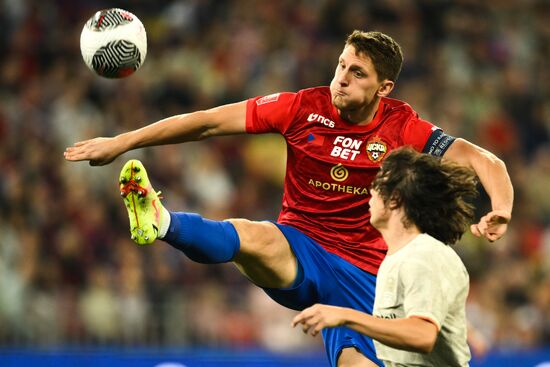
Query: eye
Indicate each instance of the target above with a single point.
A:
(359, 74)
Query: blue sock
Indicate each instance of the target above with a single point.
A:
(202, 240)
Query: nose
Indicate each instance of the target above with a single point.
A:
(342, 79)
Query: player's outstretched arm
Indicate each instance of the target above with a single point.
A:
(223, 120)
(494, 177)
(411, 333)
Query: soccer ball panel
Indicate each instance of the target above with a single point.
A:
(109, 19)
(113, 43)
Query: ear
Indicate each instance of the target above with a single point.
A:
(393, 204)
(385, 88)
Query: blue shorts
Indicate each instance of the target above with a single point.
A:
(328, 279)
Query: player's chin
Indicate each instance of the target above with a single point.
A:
(345, 103)
(340, 102)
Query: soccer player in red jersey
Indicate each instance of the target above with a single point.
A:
(322, 248)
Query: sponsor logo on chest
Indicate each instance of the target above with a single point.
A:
(346, 148)
(338, 173)
(321, 119)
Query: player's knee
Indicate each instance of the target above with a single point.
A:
(264, 256)
(259, 239)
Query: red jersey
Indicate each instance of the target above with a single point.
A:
(331, 164)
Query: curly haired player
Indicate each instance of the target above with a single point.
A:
(419, 205)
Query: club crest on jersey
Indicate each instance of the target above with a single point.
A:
(376, 149)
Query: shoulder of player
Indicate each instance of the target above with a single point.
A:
(430, 249)
(427, 257)
(311, 97)
(399, 114)
(426, 242)
(397, 105)
(313, 100)
(422, 250)
(313, 94)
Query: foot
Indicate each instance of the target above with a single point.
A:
(142, 202)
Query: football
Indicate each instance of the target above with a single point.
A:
(113, 43)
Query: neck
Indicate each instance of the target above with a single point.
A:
(397, 235)
(363, 115)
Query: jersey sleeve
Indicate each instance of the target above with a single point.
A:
(425, 137)
(423, 293)
(271, 113)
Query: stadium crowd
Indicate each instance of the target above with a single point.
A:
(69, 273)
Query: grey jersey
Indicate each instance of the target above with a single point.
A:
(426, 279)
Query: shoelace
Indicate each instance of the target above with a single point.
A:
(132, 186)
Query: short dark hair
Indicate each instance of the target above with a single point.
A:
(433, 193)
(385, 53)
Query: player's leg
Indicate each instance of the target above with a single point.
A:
(259, 249)
(351, 357)
(265, 256)
(324, 277)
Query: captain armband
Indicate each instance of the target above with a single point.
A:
(438, 143)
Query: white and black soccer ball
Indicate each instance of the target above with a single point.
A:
(113, 43)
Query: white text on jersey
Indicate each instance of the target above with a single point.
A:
(323, 120)
(345, 148)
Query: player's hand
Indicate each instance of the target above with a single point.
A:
(492, 226)
(317, 317)
(98, 151)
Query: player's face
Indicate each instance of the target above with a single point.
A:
(379, 213)
(355, 85)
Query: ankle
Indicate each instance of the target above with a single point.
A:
(164, 223)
